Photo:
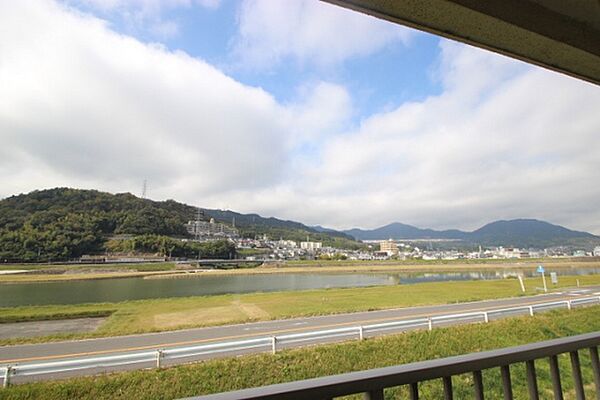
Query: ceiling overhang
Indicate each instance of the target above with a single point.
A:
(560, 35)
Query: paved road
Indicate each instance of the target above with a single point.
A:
(23, 354)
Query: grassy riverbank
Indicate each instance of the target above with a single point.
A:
(256, 370)
(176, 313)
(44, 273)
(72, 272)
(149, 266)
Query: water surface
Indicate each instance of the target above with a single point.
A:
(113, 290)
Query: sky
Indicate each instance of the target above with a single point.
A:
(299, 110)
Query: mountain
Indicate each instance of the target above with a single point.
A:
(65, 223)
(332, 232)
(397, 230)
(518, 232)
(529, 233)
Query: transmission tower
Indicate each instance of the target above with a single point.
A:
(144, 188)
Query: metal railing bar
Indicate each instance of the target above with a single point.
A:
(263, 340)
(448, 392)
(585, 299)
(595, 369)
(532, 380)
(509, 310)
(413, 389)
(352, 329)
(81, 367)
(224, 350)
(577, 379)
(313, 338)
(478, 384)
(396, 327)
(420, 321)
(137, 357)
(555, 376)
(506, 382)
(470, 315)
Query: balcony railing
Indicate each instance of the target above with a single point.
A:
(373, 382)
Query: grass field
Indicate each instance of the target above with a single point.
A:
(175, 313)
(256, 370)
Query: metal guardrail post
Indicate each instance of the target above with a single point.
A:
(7, 373)
(374, 395)
(159, 356)
(569, 305)
(478, 384)
(577, 379)
(532, 380)
(506, 382)
(414, 391)
(595, 367)
(361, 333)
(531, 310)
(555, 375)
(274, 344)
(430, 323)
(448, 392)
(486, 317)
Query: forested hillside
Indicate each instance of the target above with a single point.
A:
(63, 223)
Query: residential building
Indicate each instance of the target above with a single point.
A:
(389, 247)
(311, 246)
(210, 228)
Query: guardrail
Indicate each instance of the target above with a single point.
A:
(158, 357)
(373, 382)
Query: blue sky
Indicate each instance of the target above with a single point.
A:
(300, 110)
(392, 74)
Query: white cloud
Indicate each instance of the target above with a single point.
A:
(85, 107)
(94, 106)
(144, 6)
(503, 140)
(146, 16)
(309, 32)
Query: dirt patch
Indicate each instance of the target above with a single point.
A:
(203, 316)
(45, 328)
(252, 311)
(236, 311)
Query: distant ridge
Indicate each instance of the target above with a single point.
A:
(516, 232)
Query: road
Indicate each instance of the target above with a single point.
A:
(35, 353)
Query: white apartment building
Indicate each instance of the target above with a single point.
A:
(311, 246)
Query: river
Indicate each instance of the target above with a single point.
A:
(114, 290)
